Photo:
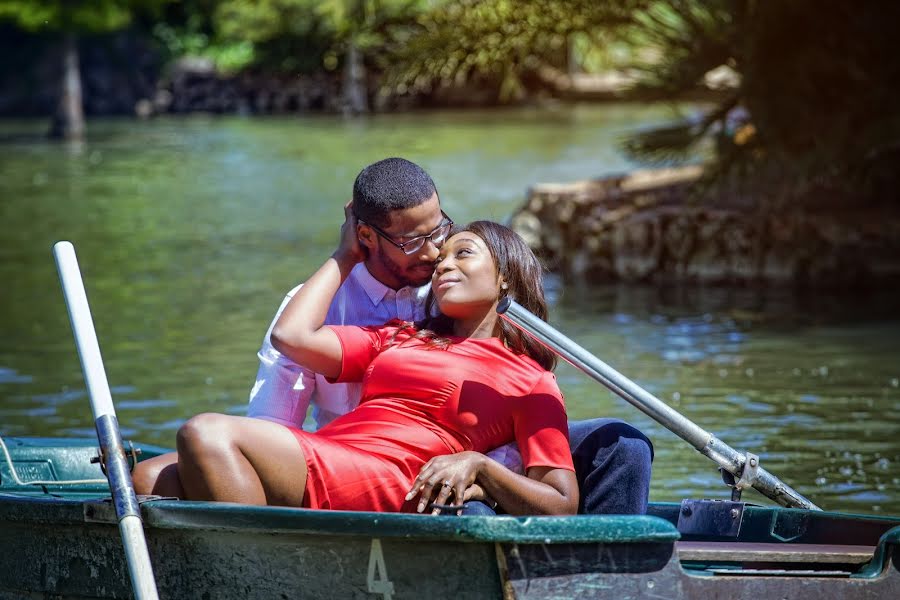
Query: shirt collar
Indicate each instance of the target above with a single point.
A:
(376, 291)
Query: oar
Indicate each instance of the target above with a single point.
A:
(744, 468)
(112, 452)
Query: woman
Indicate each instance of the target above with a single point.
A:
(436, 395)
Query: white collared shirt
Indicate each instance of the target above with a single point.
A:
(283, 389)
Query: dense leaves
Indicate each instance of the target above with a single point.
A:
(306, 35)
(498, 41)
(74, 16)
(815, 114)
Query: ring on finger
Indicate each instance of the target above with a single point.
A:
(448, 483)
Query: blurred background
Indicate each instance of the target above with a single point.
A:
(198, 155)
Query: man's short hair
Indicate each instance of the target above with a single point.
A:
(388, 185)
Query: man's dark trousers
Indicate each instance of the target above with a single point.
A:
(612, 464)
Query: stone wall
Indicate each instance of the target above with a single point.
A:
(645, 227)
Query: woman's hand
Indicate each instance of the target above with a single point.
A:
(448, 475)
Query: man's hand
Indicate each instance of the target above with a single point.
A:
(349, 249)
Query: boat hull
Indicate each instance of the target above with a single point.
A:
(64, 543)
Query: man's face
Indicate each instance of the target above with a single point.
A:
(391, 265)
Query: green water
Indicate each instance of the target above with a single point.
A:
(189, 231)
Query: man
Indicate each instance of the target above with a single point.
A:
(401, 226)
(392, 283)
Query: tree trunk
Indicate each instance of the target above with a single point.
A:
(68, 121)
(355, 99)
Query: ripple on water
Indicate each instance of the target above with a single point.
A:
(797, 419)
(64, 396)
(750, 406)
(683, 356)
(79, 432)
(8, 375)
(145, 403)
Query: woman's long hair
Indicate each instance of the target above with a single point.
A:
(524, 277)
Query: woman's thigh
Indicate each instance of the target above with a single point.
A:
(272, 452)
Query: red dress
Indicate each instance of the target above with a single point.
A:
(420, 401)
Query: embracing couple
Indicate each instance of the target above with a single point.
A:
(423, 398)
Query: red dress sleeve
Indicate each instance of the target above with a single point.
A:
(541, 427)
(360, 346)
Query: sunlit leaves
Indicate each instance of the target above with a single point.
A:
(76, 16)
(496, 40)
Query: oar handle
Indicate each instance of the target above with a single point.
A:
(707, 444)
(111, 448)
(83, 328)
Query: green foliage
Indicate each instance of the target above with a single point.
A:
(307, 35)
(816, 109)
(500, 40)
(74, 16)
(188, 29)
(682, 40)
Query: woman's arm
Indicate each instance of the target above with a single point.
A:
(543, 491)
(299, 333)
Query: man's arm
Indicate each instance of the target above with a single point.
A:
(300, 332)
(283, 389)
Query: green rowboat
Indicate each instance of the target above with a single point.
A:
(62, 541)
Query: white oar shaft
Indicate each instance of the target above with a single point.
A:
(83, 328)
(112, 451)
(140, 569)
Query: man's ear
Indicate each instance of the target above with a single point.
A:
(366, 236)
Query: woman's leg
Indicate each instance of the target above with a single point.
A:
(239, 459)
(158, 476)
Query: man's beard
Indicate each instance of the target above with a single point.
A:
(403, 276)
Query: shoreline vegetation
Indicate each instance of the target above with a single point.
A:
(146, 85)
(800, 142)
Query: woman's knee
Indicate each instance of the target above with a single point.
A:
(203, 434)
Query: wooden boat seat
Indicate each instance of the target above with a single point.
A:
(774, 553)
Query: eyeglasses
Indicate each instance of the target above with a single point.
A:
(437, 236)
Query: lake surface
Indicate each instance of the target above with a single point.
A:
(190, 230)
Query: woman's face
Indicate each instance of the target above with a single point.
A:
(465, 279)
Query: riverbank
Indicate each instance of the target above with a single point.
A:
(148, 84)
(657, 226)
